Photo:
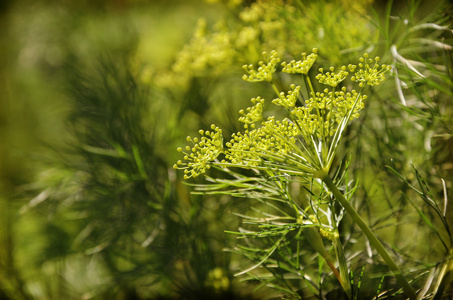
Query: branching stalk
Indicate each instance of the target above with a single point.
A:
(344, 273)
(371, 236)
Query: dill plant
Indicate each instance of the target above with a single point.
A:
(297, 150)
(244, 30)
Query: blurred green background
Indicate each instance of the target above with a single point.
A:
(52, 52)
(97, 95)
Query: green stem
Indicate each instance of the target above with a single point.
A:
(310, 86)
(274, 87)
(445, 277)
(370, 235)
(315, 240)
(343, 266)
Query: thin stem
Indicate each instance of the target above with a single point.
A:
(315, 240)
(274, 87)
(343, 266)
(330, 111)
(310, 86)
(370, 235)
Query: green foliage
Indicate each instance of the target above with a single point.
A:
(290, 151)
(97, 95)
(266, 150)
(299, 144)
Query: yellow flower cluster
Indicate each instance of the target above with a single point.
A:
(265, 70)
(310, 122)
(205, 52)
(203, 151)
(306, 121)
(328, 233)
(343, 102)
(290, 99)
(331, 78)
(254, 114)
(263, 10)
(248, 29)
(272, 139)
(367, 74)
(269, 20)
(301, 66)
(328, 108)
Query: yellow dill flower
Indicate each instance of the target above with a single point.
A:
(328, 233)
(298, 143)
(321, 100)
(197, 158)
(246, 36)
(265, 70)
(241, 149)
(301, 66)
(367, 74)
(344, 101)
(206, 51)
(306, 120)
(288, 100)
(331, 78)
(255, 113)
(274, 138)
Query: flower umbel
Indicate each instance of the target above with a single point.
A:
(265, 70)
(254, 114)
(305, 140)
(367, 74)
(301, 66)
(197, 158)
(288, 100)
(344, 102)
(299, 147)
(331, 78)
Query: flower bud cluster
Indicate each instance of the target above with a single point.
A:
(205, 52)
(273, 137)
(331, 78)
(288, 100)
(204, 150)
(367, 74)
(328, 233)
(301, 66)
(315, 118)
(306, 121)
(344, 101)
(254, 114)
(264, 71)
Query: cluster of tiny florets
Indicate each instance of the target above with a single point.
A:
(368, 71)
(316, 116)
(203, 151)
(273, 137)
(319, 101)
(307, 122)
(344, 101)
(323, 112)
(328, 233)
(265, 69)
(205, 51)
(244, 148)
(254, 114)
(301, 66)
(331, 78)
(289, 100)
